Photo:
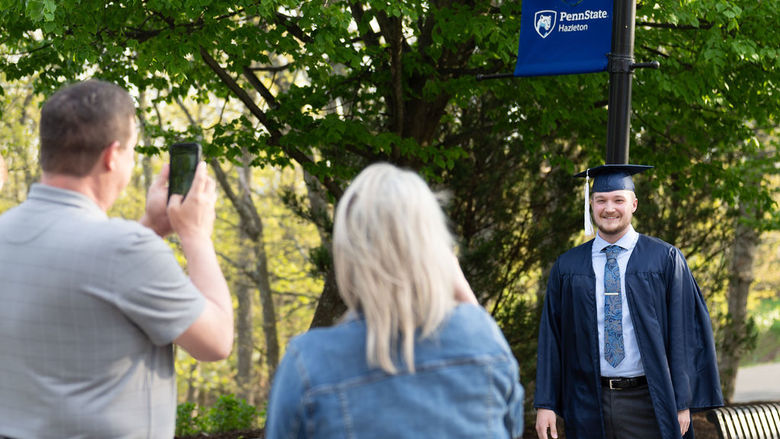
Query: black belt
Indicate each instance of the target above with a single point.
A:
(618, 383)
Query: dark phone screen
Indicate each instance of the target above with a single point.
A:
(184, 159)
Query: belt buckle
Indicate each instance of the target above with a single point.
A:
(611, 380)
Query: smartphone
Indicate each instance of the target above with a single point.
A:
(184, 158)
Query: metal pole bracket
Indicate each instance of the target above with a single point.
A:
(619, 63)
(646, 65)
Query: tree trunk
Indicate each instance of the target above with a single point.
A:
(330, 307)
(193, 392)
(269, 310)
(252, 227)
(244, 342)
(146, 166)
(245, 328)
(3, 171)
(737, 334)
(146, 161)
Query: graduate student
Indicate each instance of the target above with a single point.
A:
(625, 339)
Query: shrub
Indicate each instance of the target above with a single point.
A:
(228, 414)
(188, 422)
(231, 414)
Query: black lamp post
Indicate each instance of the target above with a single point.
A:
(621, 67)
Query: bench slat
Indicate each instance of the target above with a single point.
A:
(749, 421)
(717, 417)
(774, 419)
(754, 432)
(735, 421)
(761, 422)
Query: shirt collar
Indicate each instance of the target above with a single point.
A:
(54, 195)
(627, 241)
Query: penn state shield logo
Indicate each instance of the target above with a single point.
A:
(544, 22)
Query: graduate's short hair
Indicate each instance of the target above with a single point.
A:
(79, 121)
(394, 263)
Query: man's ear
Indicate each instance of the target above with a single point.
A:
(110, 156)
(634, 204)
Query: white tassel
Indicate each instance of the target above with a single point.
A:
(588, 223)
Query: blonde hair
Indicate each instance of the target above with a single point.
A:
(394, 260)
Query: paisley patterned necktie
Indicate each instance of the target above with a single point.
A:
(613, 308)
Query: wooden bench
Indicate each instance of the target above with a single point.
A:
(747, 421)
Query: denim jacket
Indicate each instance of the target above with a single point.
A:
(466, 385)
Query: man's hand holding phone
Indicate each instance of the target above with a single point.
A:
(191, 194)
(192, 218)
(175, 178)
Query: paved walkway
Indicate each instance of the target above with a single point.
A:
(758, 383)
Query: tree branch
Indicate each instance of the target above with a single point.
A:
(239, 266)
(272, 127)
(397, 71)
(370, 39)
(294, 29)
(703, 25)
(269, 68)
(655, 51)
(249, 215)
(262, 89)
(240, 93)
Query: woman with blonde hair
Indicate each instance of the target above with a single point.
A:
(415, 356)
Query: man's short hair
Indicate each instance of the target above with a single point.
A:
(79, 121)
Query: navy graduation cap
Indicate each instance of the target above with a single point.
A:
(612, 177)
(608, 178)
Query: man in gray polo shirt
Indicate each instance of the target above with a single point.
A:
(90, 305)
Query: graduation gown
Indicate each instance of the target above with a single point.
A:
(673, 332)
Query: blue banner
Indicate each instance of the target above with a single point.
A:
(559, 37)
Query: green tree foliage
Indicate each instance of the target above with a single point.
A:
(333, 85)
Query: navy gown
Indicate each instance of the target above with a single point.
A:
(673, 331)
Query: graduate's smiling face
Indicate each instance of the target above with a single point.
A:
(612, 213)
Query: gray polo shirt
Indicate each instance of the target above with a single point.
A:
(89, 307)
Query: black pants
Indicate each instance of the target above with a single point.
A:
(629, 414)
